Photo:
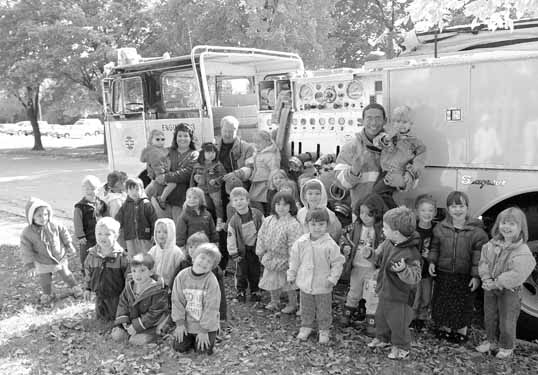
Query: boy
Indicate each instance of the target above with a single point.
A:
(426, 209)
(315, 266)
(243, 229)
(313, 195)
(403, 156)
(143, 303)
(105, 268)
(195, 302)
(85, 216)
(137, 218)
(399, 266)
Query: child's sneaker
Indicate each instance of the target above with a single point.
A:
(77, 291)
(304, 332)
(397, 353)
(485, 346)
(241, 296)
(504, 353)
(377, 343)
(272, 306)
(324, 336)
(289, 309)
(255, 297)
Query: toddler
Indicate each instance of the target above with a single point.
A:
(155, 155)
(195, 302)
(505, 263)
(167, 255)
(403, 156)
(142, 305)
(275, 239)
(137, 218)
(399, 271)
(105, 269)
(315, 266)
(207, 175)
(43, 245)
(195, 218)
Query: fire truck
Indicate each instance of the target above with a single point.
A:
(472, 92)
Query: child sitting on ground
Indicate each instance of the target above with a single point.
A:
(243, 228)
(167, 255)
(196, 301)
(155, 155)
(276, 236)
(137, 218)
(399, 265)
(403, 157)
(142, 305)
(105, 269)
(195, 218)
(315, 266)
(43, 245)
(505, 263)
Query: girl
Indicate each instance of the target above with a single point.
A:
(113, 192)
(290, 187)
(155, 155)
(167, 255)
(454, 256)
(505, 263)
(276, 178)
(367, 231)
(195, 218)
(275, 239)
(207, 175)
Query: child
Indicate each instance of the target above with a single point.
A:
(366, 231)
(167, 255)
(207, 175)
(195, 302)
(315, 266)
(426, 209)
(265, 160)
(44, 244)
(155, 155)
(195, 218)
(275, 239)
(276, 178)
(505, 263)
(243, 228)
(290, 187)
(314, 195)
(85, 216)
(403, 157)
(454, 256)
(105, 269)
(113, 192)
(142, 305)
(137, 218)
(399, 265)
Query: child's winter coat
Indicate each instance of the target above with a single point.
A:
(508, 264)
(313, 264)
(353, 235)
(105, 276)
(191, 222)
(167, 258)
(263, 163)
(239, 230)
(43, 244)
(334, 228)
(214, 171)
(85, 218)
(145, 310)
(137, 219)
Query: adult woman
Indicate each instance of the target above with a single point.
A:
(182, 156)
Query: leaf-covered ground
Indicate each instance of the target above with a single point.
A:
(63, 339)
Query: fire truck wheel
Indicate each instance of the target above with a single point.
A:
(527, 327)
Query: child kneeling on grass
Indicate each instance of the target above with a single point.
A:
(399, 265)
(196, 301)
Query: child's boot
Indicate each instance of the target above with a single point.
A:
(361, 310)
(485, 347)
(304, 332)
(397, 353)
(347, 314)
(324, 336)
(292, 303)
(241, 296)
(275, 301)
(504, 353)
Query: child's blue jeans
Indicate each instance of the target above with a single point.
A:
(501, 311)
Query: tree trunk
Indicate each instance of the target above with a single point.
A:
(32, 110)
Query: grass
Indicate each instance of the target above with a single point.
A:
(94, 152)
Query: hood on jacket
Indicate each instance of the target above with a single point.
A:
(32, 205)
(170, 233)
(412, 240)
(323, 201)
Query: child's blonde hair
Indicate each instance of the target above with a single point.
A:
(210, 249)
(239, 192)
(152, 134)
(92, 181)
(195, 240)
(401, 219)
(199, 193)
(108, 223)
(276, 172)
(134, 182)
(402, 112)
(265, 136)
(516, 215)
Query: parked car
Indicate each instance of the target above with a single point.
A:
(83, 127)
(25, 128)
(4, 127)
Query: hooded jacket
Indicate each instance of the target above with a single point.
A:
(334, 228)
(146, 310)
(137, 219)
(167, 258)
(45, 244)
(315, 264)
(457, 251)
(508, 264)
(85, 218)
(263, 163)
(190, 222)
(105, 276)
(359, 150)
(398, 286)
